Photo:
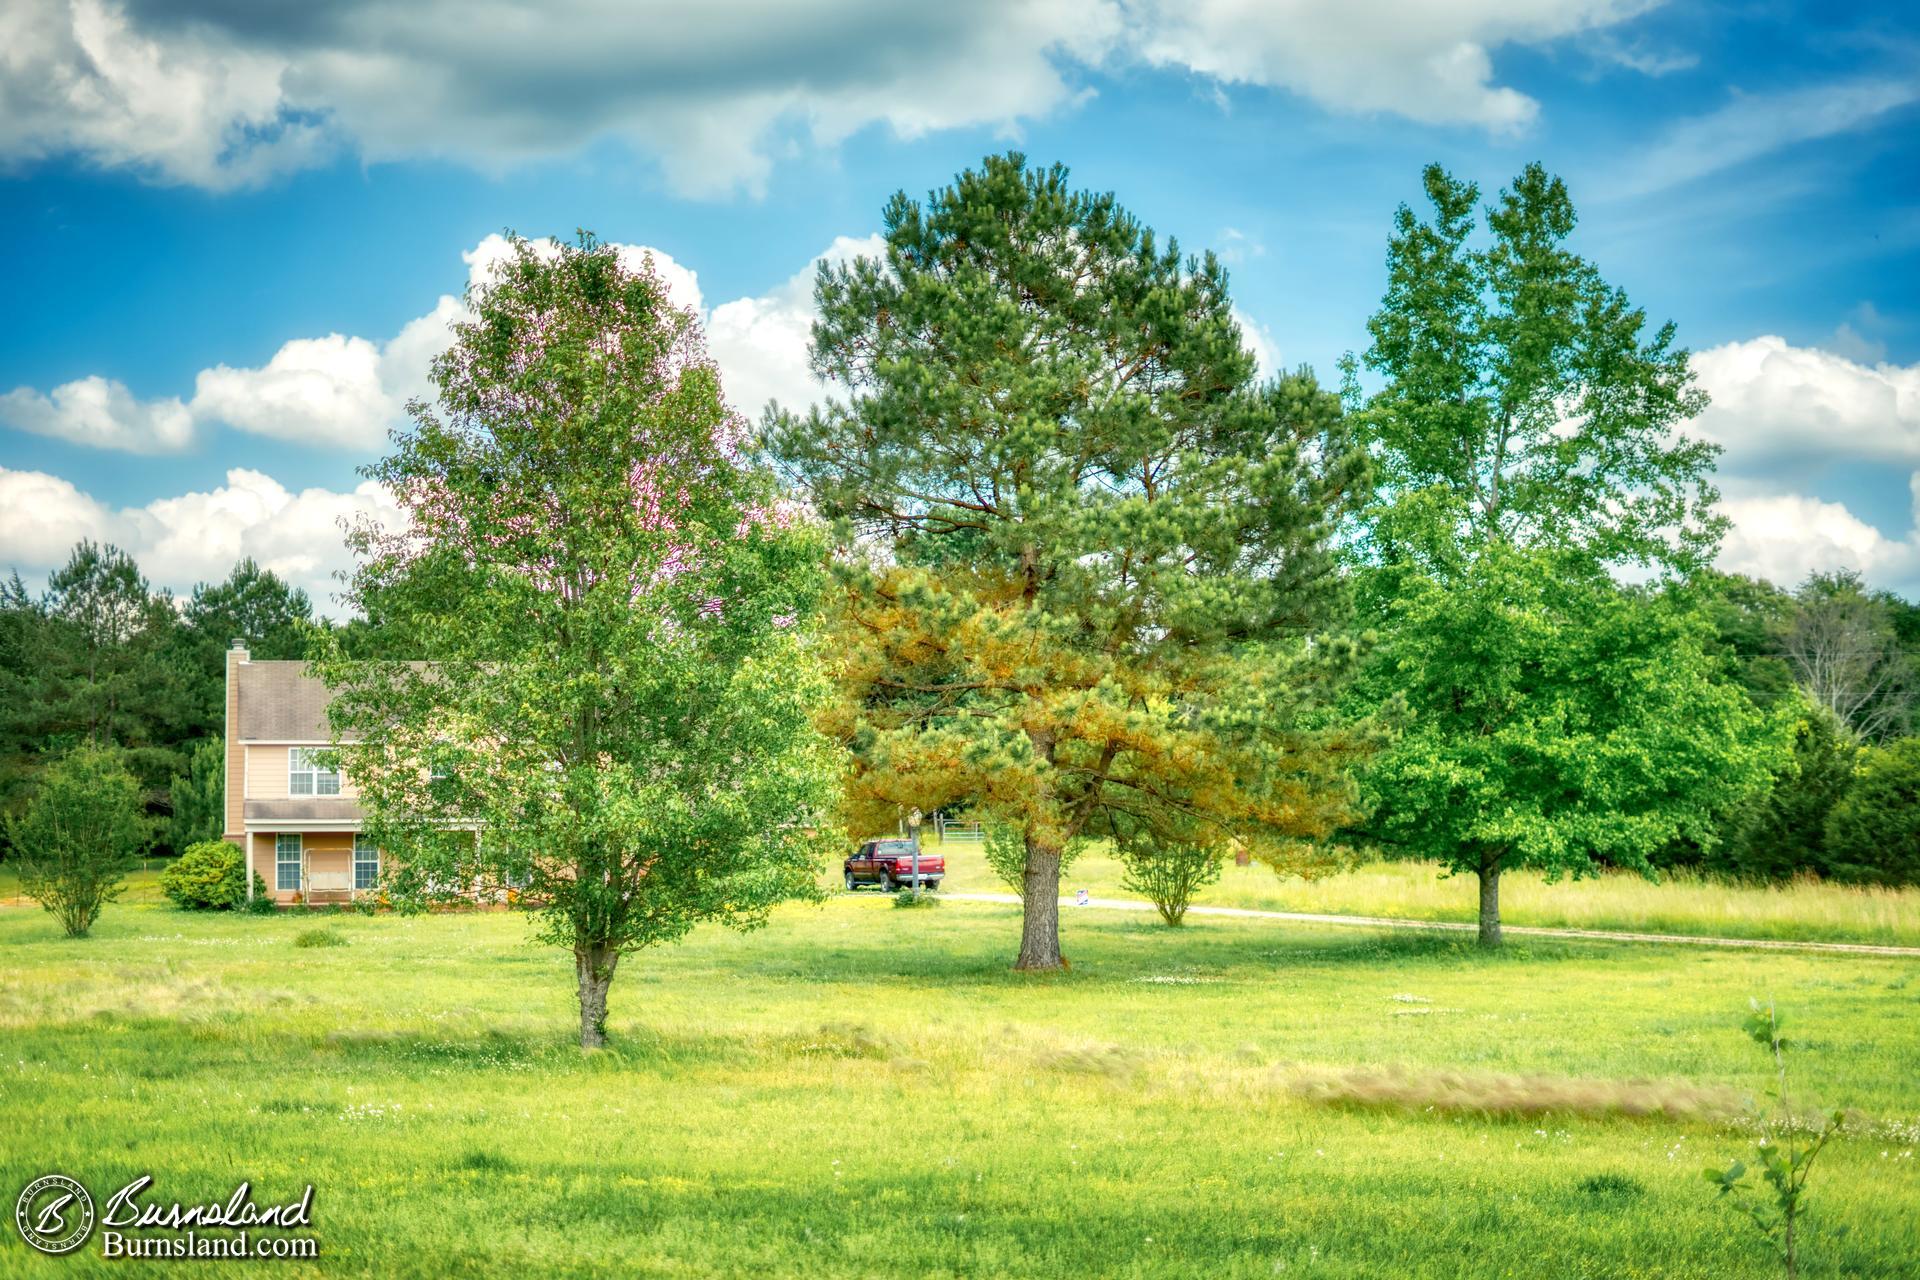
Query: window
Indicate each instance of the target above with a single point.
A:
(305, 777)
(286, 862)
(366, 863)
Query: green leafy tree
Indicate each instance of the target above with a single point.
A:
(82, 827)
(1524, 400)
(1873, 833)
(199, 797)
(1168, 875)
(613, 712)
(1529, 440)
(1559, 721)
(209, 876)
(1091, 549)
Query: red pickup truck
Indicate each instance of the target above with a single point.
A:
(889, 864)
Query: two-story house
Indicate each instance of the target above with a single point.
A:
(299, 823)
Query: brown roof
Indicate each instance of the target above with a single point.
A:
(280, 702)
(305, 809)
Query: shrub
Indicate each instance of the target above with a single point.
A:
(1006, 850)
(1781, 831)
(1168, 875)
(319, 938)
(261, 904)
(77, 835)
(1873, 833)
(209, 876)
(907, 899)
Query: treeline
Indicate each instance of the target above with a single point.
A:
(103, 658)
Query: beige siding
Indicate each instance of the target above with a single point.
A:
(236, 754)
(267, 773)
(326, 851)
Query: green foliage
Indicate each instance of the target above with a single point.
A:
(199, 797)
(1780, 831)
(1873, 833)
(1844, 647)
(1168, 875)
(909, 898)
(209, 876)
(1556, 720)
(261, 903)
(1785, 1162)
(609, 606)
(1006, 852)
(327, 936)
(1524, 401)
(1106, 543)
(80, 830)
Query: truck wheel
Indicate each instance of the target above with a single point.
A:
(849, 882)
(886, 882)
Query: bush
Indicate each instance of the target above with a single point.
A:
(77, 835)
(1006, 850)
(319, 938)
(1782, 831)
(1873, 833)
(261, 904)
(907, 899)
(1168, 875)
(209, 876)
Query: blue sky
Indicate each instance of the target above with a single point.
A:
(234, 232)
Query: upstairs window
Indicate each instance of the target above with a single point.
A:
(305, 776)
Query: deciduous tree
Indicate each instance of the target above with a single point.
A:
(80, 830)
(614, 708)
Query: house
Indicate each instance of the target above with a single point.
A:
(299, 823)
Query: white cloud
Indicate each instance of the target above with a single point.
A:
(1427, 62)
(1260, 340)
(217, 95)
(760, 343)
(1752, 125)
(195, 537)
(1773, 401)
(99, 412)
(1783, 537)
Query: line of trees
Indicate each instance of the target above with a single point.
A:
(1053, 551)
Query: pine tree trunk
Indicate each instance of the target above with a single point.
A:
(594, 963)
(1490, 902)
(1040, 910)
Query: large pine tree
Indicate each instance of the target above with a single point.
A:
(1091, 553)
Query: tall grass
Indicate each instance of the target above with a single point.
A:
(1682, 901)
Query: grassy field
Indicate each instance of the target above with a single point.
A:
(1679, 903)
(858, 1090)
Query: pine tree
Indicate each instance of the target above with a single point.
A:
(1091, 551)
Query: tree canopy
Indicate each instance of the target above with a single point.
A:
(1089, 548)
(611, 711)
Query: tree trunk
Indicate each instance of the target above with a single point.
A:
(1490, 903)
(594, 963)
(1040, 910)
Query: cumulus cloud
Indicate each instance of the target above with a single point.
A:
(348, 392)
(99, 412)
(1775, 402)
(1784, 536)
(1427, 62)
(195, 537)
(218, 95)
(760, 343)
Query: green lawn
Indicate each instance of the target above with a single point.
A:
(858, 1090)
(1679, 903)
